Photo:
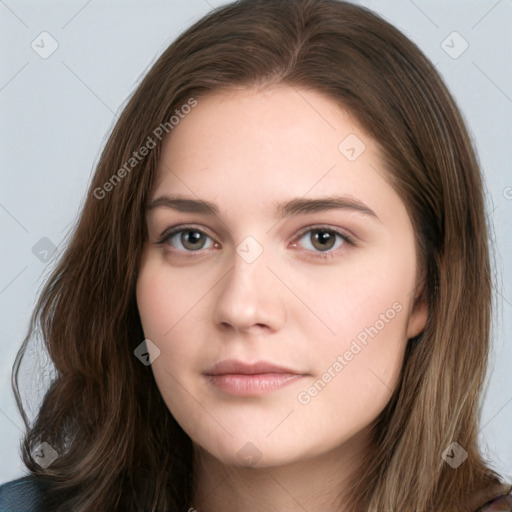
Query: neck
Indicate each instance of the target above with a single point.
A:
(314, 484)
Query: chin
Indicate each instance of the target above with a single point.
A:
(257, 451)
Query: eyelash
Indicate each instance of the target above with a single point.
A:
(169, 233)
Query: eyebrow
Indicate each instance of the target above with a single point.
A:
(297, 206)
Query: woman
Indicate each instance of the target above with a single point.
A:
(278, 293)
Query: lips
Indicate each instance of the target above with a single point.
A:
(249, 380)
(232, 366)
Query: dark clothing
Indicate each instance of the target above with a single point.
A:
(22, 495)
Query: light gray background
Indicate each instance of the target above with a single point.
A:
(56, 113)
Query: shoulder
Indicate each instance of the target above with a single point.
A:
(21, 495)
(500, 503)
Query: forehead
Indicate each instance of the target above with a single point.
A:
(253, 146)
(250, 124)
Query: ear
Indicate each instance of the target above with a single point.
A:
(418, 315)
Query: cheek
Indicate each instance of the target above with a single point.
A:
(166, 305)
(152, 301)
(163, 299)
(358, 352)
(356, 372)
(368, 304)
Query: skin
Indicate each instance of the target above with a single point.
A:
(245, 150)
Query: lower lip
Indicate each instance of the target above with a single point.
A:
(252, 385)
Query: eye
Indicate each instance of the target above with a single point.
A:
(187, 239)
(323, 240)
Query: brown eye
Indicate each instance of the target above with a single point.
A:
(322, 239)
(187, 240)
(192, 240)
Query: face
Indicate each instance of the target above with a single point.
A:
(279, 277)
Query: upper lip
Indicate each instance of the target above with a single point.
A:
(230, 366)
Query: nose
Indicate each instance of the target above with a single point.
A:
(249, 300)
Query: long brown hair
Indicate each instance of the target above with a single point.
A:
(118, 446)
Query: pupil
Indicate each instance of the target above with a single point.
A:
(324, 239)
(192, 239)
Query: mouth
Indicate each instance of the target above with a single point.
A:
(242, 379)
